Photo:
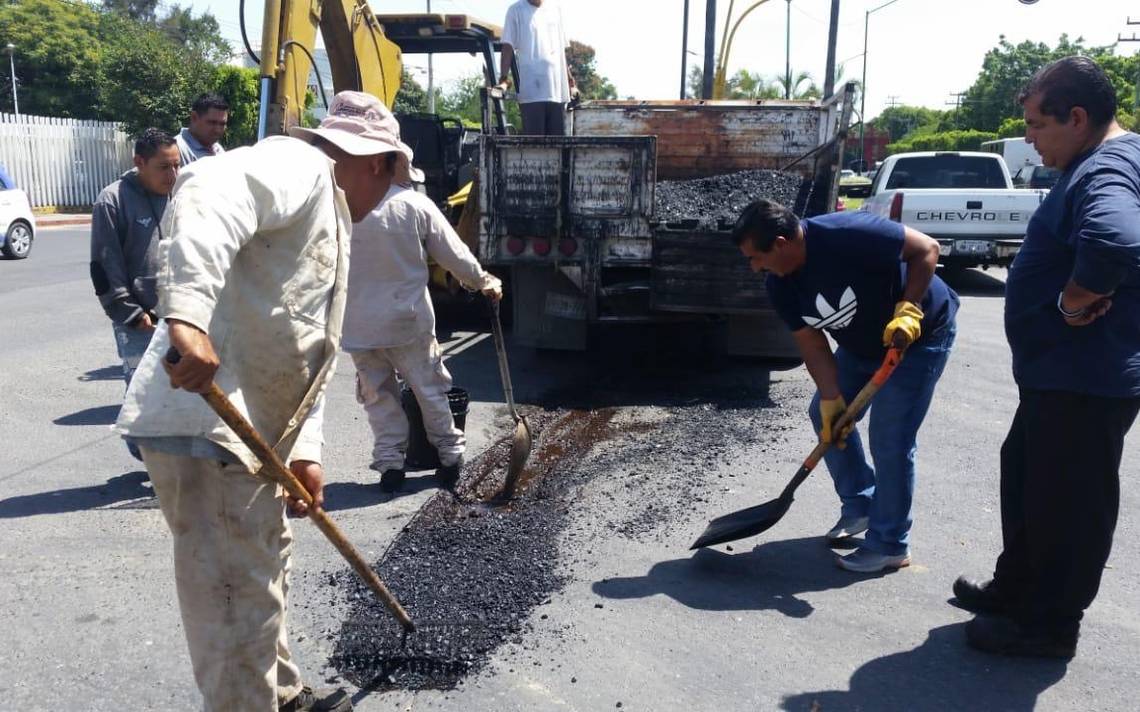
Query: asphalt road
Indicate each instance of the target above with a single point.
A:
(90, 622)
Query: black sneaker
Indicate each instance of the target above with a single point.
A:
(448, 475)
(982, 596)
(391, 480)
(323, 701)
(1003, 636)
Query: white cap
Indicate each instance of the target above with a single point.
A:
(360, 125)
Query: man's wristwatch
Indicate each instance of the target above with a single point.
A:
(1068, 314)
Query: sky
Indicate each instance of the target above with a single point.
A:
(919, 52)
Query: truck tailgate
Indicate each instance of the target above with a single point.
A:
(964, 213)
(551, 187)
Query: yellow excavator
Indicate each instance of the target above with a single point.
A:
(365, 53)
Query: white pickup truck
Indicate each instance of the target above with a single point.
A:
(966, 201)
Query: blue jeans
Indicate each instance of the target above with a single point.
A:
(131, 344)
(884, 493)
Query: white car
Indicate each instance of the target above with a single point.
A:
(17, 224)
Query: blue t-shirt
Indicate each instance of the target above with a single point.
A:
(852, 279)
(1087, 229)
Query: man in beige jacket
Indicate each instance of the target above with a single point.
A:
(251, 290)
(389, 327)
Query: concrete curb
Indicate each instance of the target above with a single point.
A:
(44, 222)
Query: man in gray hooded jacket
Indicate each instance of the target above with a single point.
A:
(124, 252)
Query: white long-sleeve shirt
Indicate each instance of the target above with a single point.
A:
(388, 300)
(256, 256)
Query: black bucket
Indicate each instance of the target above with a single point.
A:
(421, 455)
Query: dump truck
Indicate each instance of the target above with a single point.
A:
(571, 220)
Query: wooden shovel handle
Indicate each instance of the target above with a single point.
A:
(274, 469)
(890, 362)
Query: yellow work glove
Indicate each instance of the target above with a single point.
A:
(907, 324)
(830, 411)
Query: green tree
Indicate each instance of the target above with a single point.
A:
(145, 79)
(1011, 128)
(239, 85)
(140, 10)
(752, 86)
(943, 141)
(801, 86)
(901, 122)
(201, 35)
(1005, 70)
(57, 57)
(583, 66)
(412, 97)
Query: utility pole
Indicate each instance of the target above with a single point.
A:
(863, 92)
(710, 49)
(431, 77)
(956, 103)
(11, 49)
(832, 38)
(685, 52)
(1121, 38)
(892, 101)
(788, 54)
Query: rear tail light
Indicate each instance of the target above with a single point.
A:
(567, 246)
(515, 245)
(541, 246)
(896, 207)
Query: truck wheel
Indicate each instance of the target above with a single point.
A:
(18, 242)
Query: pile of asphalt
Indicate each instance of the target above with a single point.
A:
(468, 569)
(714, 203)
(473, 573)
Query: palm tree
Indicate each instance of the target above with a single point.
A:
(752, 85)
(802, 86)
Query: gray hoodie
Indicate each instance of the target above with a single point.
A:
(124, 251)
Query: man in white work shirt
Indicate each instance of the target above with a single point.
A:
(533, 35)
(251, 293)
(389, 327)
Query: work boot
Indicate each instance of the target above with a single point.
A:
(448, 475)
(865, 561)
(323, 701)
(846, 528)
(391, 480)
(1003, 636)
(982, 596)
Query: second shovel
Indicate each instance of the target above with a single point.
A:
(521, 440)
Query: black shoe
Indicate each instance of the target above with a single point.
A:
(391, 480)
(323, 701)
(1003, 636)
(448, 475)
(982, 596)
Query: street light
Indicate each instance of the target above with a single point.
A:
(788, 54)
(863, 95)
(11, 49)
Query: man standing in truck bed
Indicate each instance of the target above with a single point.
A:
(533, 35)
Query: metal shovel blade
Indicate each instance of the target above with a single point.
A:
(745, 522)
(521, 442)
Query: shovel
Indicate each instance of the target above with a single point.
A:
(521, 440)
(272, 468)
(753, 520)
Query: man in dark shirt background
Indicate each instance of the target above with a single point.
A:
(1072, 318)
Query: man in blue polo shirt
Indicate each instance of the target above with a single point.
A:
(868, 282)
(1072, 317)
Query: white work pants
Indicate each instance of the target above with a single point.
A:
(420, 365)
(231, 564)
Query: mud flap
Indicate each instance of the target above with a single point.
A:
(549, 309)
(761, 335)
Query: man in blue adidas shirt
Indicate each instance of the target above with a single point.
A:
(1072, 317)
(867, 282)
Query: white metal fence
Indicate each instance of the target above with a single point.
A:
(62, 162)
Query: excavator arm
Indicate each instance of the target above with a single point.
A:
(360, 56)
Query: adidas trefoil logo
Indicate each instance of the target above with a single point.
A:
(832, 318)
